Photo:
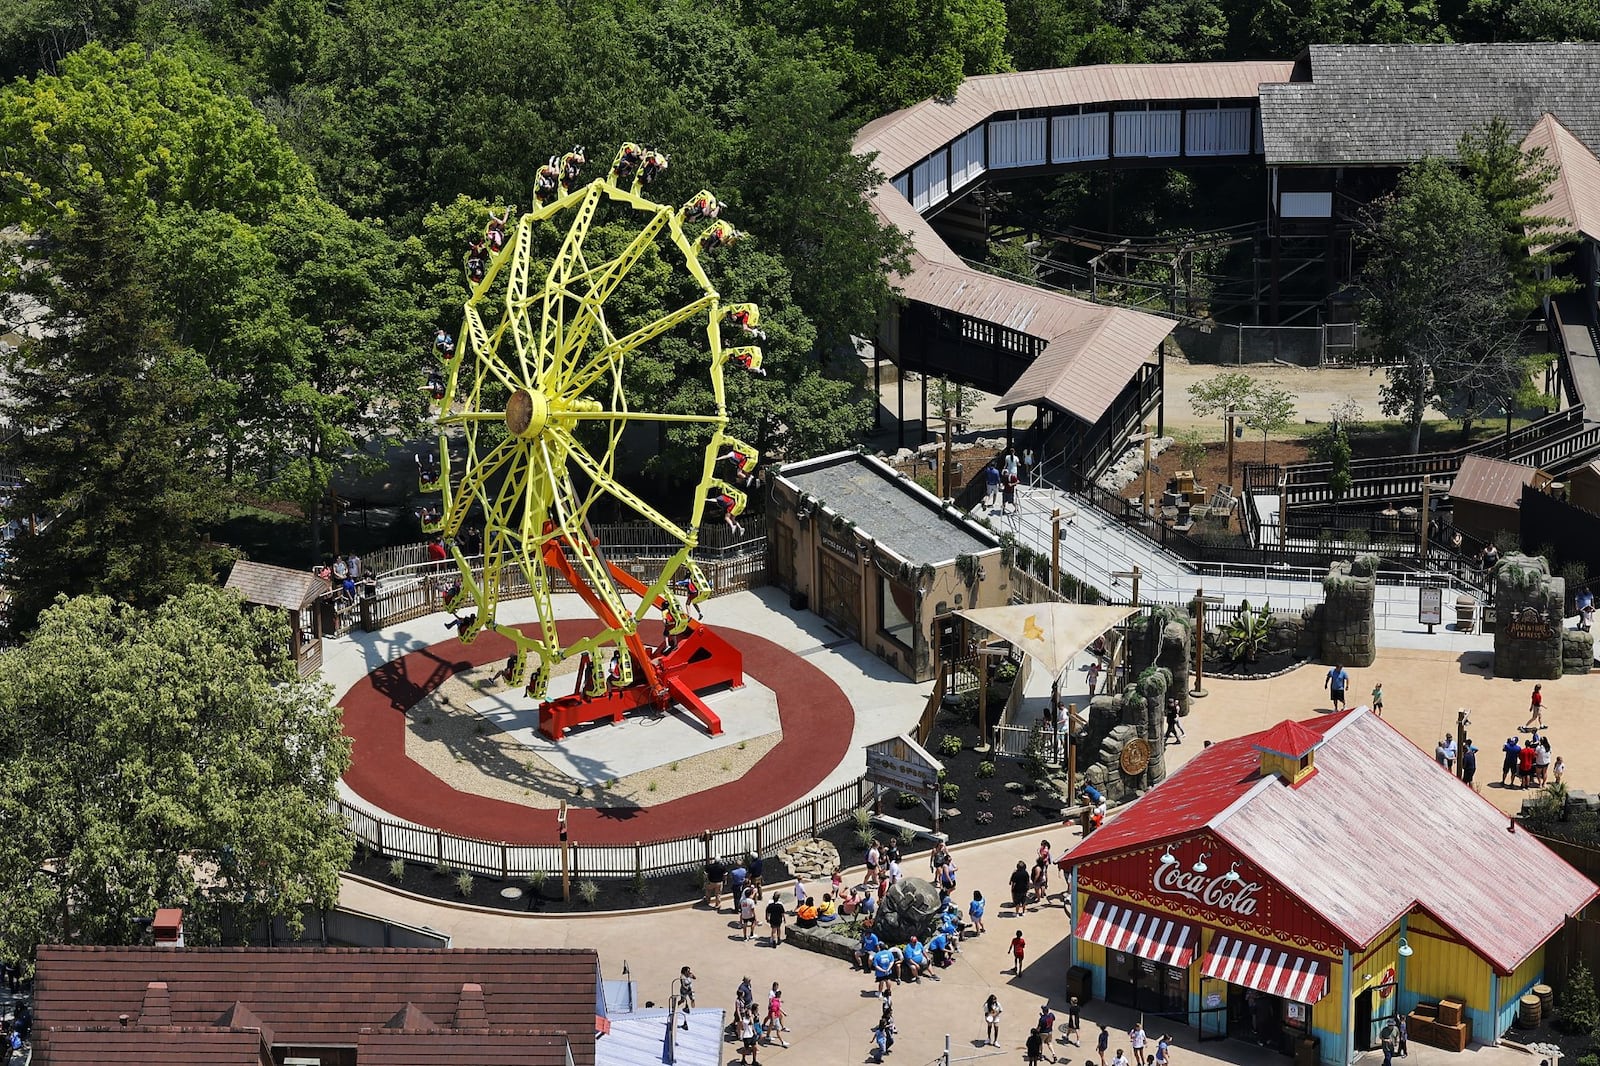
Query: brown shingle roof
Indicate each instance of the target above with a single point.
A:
(474, 1047)
(170, 1045)
(1494, 482)
(1573, 196)
(321, 996)
(276, 586)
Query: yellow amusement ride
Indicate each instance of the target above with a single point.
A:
(537, 393)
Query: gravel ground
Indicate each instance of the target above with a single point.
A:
(456, 744)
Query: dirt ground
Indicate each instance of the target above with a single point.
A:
(1212, 471)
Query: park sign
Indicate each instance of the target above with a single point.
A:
(903, 764)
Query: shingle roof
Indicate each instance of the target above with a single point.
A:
(168, 1045)
(895, 511)
(1316, 840)
(275, 586)
(1574, 195)
(903, 137)
(1395, 103)
(454, 1047)
(1493, 482)
(319, 996)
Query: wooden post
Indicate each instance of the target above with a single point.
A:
(1144, 500)
(813, 819)
(1427, 488)
(983, 701)
(1200, 601)
(1136, 586)
(1055, 550)
(1072, 752)
(1230, 449)
(566, 859)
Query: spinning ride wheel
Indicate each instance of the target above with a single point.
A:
(537, 392)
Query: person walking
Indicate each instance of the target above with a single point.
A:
(747, 912)
(1136, 1037)
(777, 1022)
(775, 916)
(1390, 1037)
(1047, 1031)
(1469, 761)
(991, 485)
(1020, 883)
(1102, 1043)
(1174, 727)
(1018, 947)
(1094, 676)
(991, 1020)
(686, 992)
(747, 1037)
(1164, 1051)
(1377, 699)
(1073, 1022)
(1335, 682)
(1034, 1048)
(975, 911)
(1536, 708)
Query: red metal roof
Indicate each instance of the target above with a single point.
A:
(1319, 842)
(1288, 738)
(315, 996)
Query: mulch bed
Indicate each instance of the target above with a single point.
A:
(1266, 664)
(612, 894)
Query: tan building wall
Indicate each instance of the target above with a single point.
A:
(868, 592)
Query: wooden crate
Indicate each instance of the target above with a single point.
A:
(1451, 1011)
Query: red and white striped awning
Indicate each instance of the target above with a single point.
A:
(1267, 968)
(1138, 932)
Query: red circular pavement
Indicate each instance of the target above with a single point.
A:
(817, 724)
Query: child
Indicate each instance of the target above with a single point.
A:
(1377, 699)
(975, 911)
(1018, 946)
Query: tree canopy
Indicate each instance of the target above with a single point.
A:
(169, 757)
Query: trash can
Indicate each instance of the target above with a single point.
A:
(1080, 983)
(799, 601)
(1466, 612)
(1307, 1051)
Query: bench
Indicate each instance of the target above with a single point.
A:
(899, 825)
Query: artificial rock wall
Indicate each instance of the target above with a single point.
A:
(1349, 628)
(1528, 607)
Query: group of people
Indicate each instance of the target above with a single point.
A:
(344, 575)
(1032, 886)
(1001, 478)
(748, 1023)
(1528, 763)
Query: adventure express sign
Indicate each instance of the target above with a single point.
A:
(1209, 880)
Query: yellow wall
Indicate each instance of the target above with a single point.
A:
(1516, 986)
(1091, 954)
(1443, 966)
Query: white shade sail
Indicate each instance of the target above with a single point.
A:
(1049, 633)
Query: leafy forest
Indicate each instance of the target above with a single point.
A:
(253, 213)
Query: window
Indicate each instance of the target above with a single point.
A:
(897, 606)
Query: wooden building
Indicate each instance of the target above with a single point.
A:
(336, 1006)
(878, 556)
(295, 592)
(1302, 885)
(1486, 495)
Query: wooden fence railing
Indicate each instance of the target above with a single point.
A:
(425, 594)
(799, 821)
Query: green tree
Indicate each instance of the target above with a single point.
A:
(1512, 182)
(1268, 409)
(170, 757)
(110, 408)
(142, 130)
(1441, 298)
(1229, 392)
(1331, 445)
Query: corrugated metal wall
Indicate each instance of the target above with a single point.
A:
(1442, 966)
(1513, 988)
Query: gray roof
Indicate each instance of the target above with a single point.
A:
(894, 511)
(1395, 103)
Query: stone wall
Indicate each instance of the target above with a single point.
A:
(1349, 628)
(1577, 653)
(1528, 618)
(1114, 720)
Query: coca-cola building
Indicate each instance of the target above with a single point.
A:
(1274, 890)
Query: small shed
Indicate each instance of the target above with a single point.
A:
(878, 556)
(1486, 496)
(293, 591)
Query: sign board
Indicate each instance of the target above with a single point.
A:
(903, 764)
(839, 547)
(1529, 624)
(1431, 607)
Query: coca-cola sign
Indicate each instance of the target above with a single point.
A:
(1225, 892)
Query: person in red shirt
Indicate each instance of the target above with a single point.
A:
(436, 552)
(1525, 761)
(1536, 707)
(1018, 946)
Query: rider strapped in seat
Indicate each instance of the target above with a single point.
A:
(747, 356)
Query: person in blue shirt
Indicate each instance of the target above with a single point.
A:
(975, 911)
(883, 967)
(1091, 795)
(916, 960)
(1336, 682)
(939, 948)
(736, 879)
(869, 947)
